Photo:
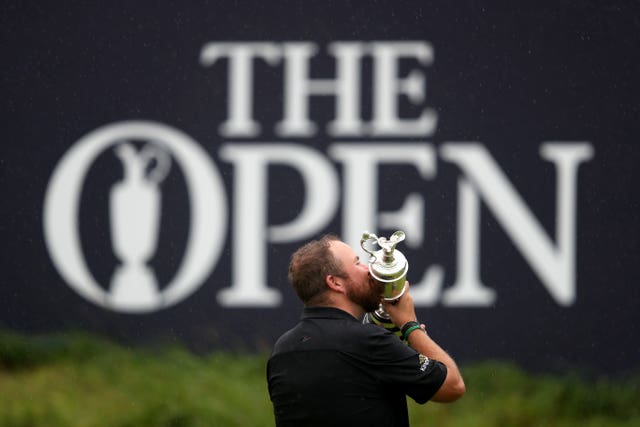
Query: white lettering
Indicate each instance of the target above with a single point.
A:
(554, 265)
(299, 87)
(468, 289)
(387, 88)
(386, 119)
(360, 197)
(250, 231)
(240, 76)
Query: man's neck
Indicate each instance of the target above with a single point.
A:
(348, 306)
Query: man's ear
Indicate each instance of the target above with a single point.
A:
(334, 283)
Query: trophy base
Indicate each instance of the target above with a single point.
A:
(381, 318)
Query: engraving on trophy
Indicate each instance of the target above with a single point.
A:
(134, 205)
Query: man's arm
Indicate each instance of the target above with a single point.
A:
(402, 312)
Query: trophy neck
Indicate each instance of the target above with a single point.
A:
(387, 257)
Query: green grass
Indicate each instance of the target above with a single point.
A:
(81, 381)
(499, 394)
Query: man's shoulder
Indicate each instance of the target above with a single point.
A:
(383, 343)
(340, 335)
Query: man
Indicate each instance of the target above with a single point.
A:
(332, 370)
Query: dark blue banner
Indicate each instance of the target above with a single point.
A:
(161, 162)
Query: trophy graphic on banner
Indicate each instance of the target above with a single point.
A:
(388, 267)
(134, 205)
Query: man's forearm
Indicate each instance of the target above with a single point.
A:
(453, 386)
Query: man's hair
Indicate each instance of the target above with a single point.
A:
(309, 267)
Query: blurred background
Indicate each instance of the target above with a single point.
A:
(162, 160)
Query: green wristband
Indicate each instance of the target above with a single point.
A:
(406, 326)
(405, 336)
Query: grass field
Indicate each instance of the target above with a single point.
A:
(80, 381)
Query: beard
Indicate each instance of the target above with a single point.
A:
(367, 297)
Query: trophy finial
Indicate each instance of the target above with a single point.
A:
(390, 245)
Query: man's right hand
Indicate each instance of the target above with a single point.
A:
(401, 310)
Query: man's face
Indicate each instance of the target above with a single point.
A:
(360, 287)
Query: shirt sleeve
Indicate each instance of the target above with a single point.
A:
(402, 368)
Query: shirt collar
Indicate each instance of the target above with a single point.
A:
(326, 313)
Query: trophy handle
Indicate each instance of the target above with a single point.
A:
(366, 236)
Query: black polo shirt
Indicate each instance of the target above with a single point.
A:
(331, 370)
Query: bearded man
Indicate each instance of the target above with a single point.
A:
(333, 370)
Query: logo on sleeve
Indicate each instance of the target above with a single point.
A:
(424, 362)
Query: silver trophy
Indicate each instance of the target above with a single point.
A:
(388, 267)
